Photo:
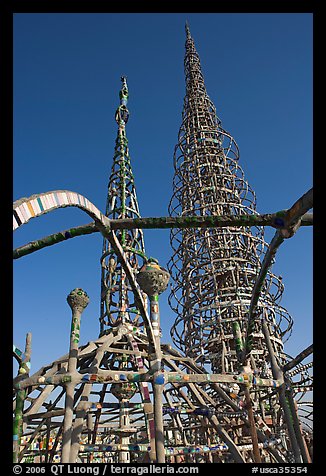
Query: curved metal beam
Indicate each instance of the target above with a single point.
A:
(27, 208)
(292, 223)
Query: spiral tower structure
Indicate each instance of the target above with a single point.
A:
(214, 269)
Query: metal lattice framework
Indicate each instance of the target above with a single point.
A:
(230, 393)
(214, 270)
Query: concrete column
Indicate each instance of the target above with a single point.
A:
(77, 300)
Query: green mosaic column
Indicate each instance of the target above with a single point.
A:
(238, 339)
(20, 399)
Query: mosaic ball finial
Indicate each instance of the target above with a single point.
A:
(152, 278)
(78, 299)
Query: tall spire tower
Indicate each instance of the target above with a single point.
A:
(214, 269)
(117, 302)
(199, 405)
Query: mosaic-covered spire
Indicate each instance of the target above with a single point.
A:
(117, 302)
(213, 270)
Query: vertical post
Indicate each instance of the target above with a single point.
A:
(252, 424)
(89, 434)
(278, 374)
(153, 280)
(253, 431)
(20, 398)
(124, 418)
(48, 432)
(297, 427)
(18, 423)
(124, 456)
(124, 392)
(158, 380)
(77, 300)
(40, 447)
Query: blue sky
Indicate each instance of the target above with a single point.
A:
(67, 68)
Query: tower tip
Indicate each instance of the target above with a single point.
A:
(122, 113)
(187, 30)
